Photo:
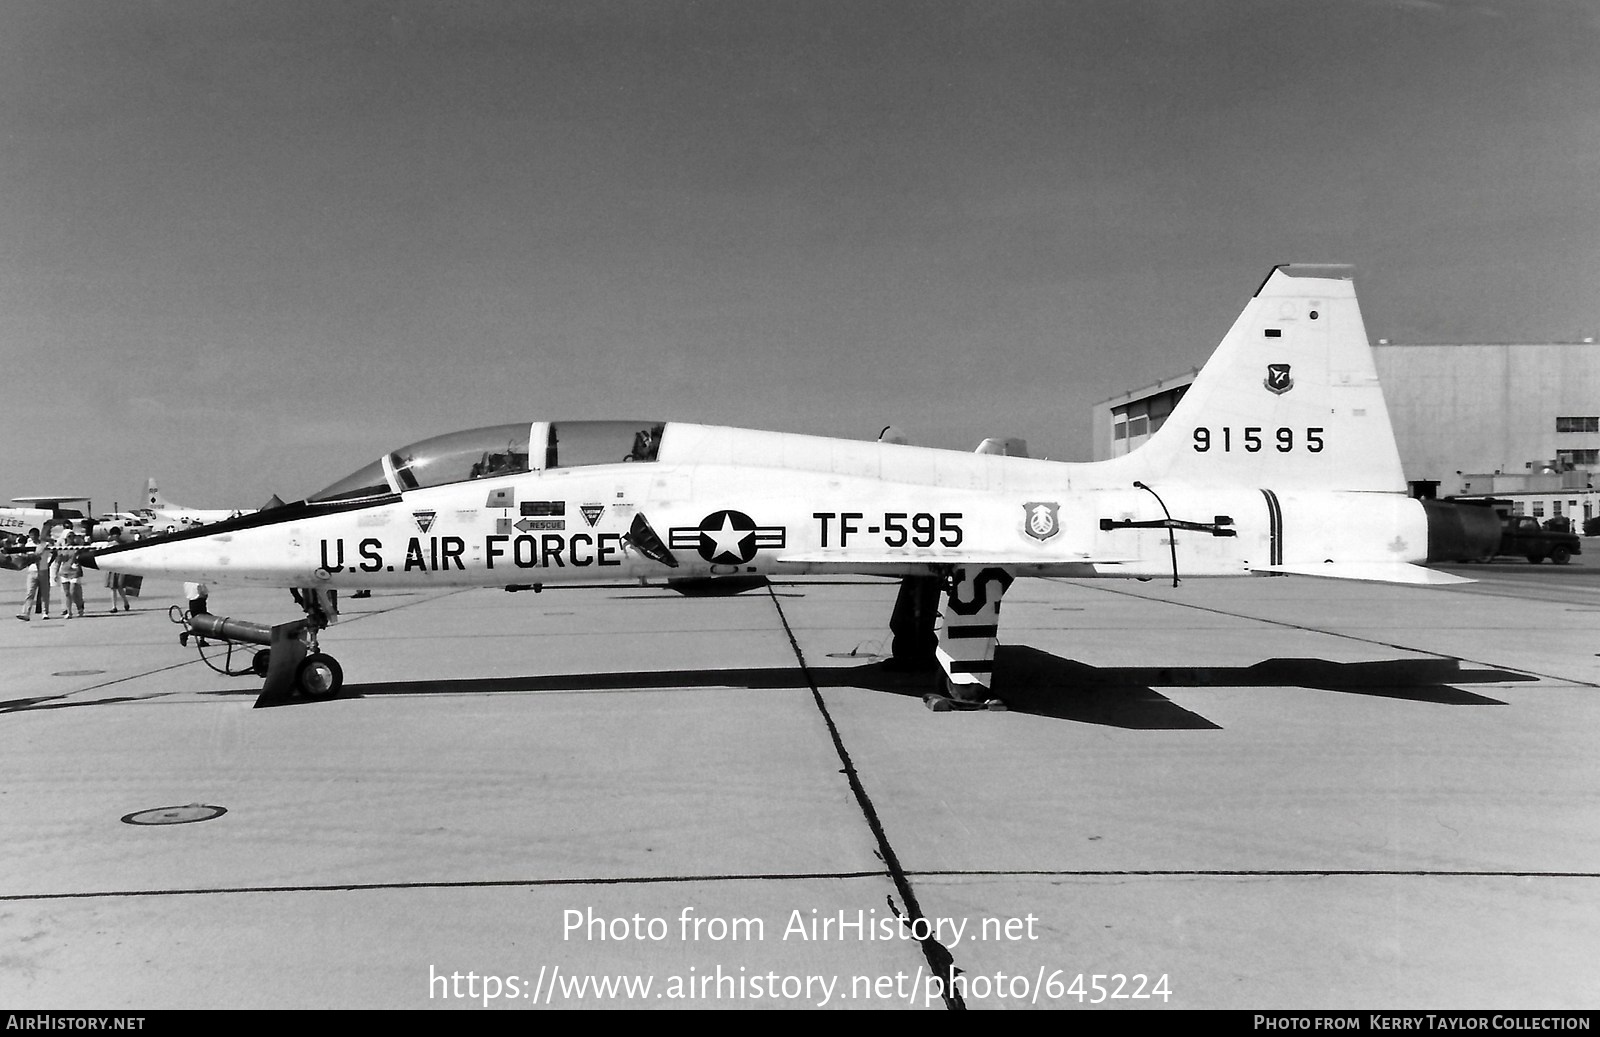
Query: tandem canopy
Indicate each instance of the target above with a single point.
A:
(499, 450)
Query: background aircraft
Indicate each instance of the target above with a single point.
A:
(167, 517)
(1280, 459)
(39, 514)
(49, 514)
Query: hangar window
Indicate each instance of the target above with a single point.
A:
(1578, 424)
(1572, 458)
(1119, 431)
(1160, 407)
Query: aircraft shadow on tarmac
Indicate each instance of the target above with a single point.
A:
(1034, 682)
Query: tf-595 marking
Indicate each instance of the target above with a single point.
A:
(891, 528)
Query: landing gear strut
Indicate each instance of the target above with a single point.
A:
(913, 627)
(292, 663)
(962, 646)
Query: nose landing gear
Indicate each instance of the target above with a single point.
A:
(292, 663)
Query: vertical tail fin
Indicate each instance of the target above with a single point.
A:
(1289, 399)
(152, 495)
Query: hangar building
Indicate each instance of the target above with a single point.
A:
(1520, 422)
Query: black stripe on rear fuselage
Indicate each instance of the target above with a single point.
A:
(1275, 526)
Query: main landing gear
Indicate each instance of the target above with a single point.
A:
(292, 663)
(962, 646)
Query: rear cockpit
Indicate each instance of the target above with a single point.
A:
(499, 450)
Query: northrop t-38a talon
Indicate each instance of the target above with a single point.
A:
(1280, 459)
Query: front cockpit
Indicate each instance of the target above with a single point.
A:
(499, 450)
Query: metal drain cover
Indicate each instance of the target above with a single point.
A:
(174, 815)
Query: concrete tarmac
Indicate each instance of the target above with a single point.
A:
(1277, 793)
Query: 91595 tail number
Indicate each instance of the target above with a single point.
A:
(1249, 439)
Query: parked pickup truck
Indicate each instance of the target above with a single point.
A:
(1522, 535)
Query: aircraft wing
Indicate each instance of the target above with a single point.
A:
(1371, 572)
(859, 561)
(864, 561)
(50, 503)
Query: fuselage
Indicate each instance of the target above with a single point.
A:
(720, 501)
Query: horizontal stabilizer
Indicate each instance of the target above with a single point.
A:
(1372, 572)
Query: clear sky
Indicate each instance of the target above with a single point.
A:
(247, 246)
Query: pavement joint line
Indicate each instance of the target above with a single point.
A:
(1572, 681)
(358, 887)
(1526, 590)
(804, 876)
(939, 958)
(1434, 873)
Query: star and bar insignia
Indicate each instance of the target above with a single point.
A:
(727, 537)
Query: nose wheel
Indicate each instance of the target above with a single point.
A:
(295, 668)
(319, 676)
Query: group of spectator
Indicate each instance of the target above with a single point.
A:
(52, 561)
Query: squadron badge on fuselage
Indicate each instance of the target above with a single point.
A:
(1278, 380)
(1041, 519)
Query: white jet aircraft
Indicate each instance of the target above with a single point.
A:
(168, 517)
(1279, 459)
